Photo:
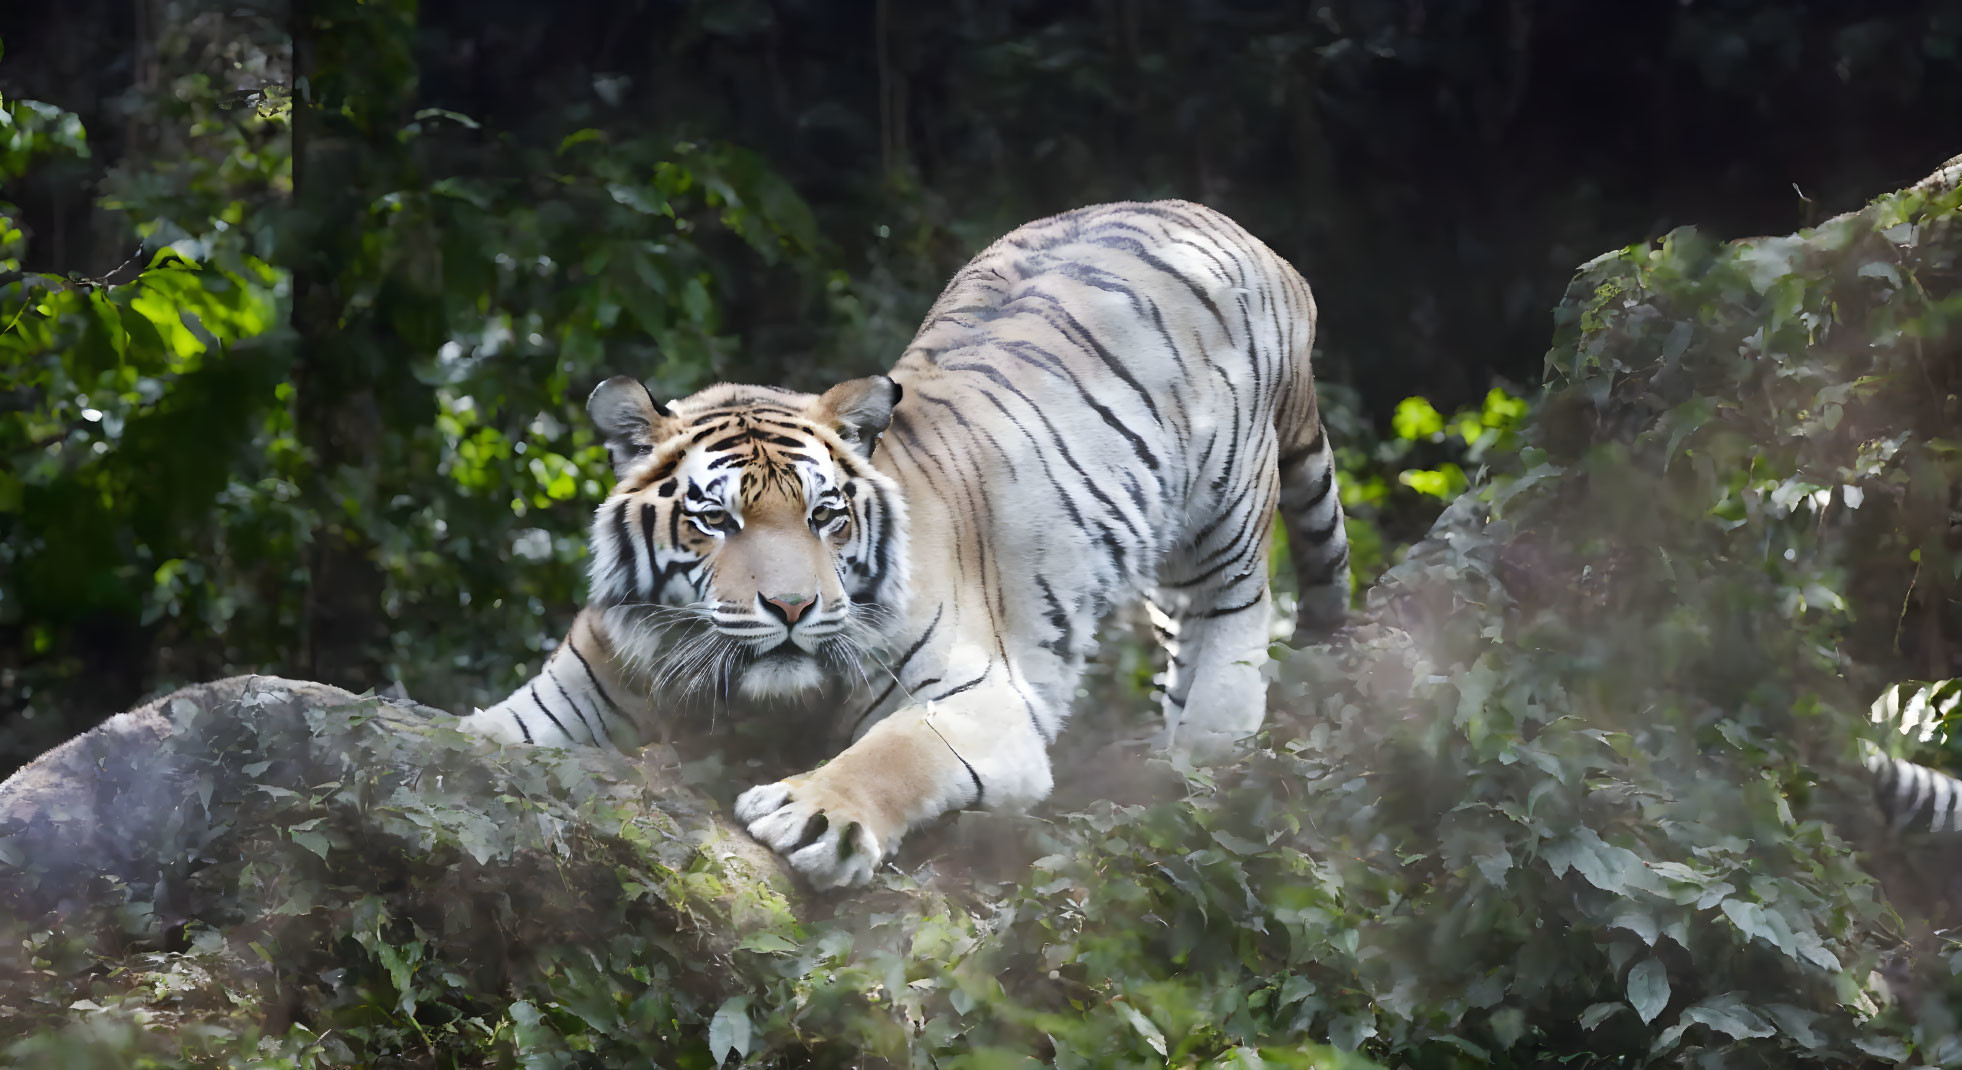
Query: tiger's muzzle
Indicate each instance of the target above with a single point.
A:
(766, 626)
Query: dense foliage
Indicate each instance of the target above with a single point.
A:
(1585, 786)
(1435, 168)
(204, 472)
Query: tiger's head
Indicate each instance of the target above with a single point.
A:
(749, 540)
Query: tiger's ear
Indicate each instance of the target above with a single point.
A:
(859, 410)
(628, 418)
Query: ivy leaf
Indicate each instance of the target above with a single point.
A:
(1239, 845)
(1494, 866)
(1508, 1025)
(1795, 1022)
(1727, 1014)
(1296, 988)
(767, 943)
(1601, 1012)
(1639, 922)
(730, 1029)
(1607, 867)
(1714, 895)
(1881, 1047)
(313, 841)
(1648, 989)
(1750, 919)
(1348, 1031)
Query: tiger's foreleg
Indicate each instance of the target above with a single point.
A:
(836, 823)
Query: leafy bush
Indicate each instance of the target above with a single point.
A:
(1392, 488)
(174, 459)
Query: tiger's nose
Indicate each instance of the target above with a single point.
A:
(788, 606)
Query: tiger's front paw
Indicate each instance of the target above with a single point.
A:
(825, 835)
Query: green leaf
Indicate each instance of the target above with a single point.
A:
(1750, 919)
(580, 137)
(1795, 1022)
(1639, 922)
(1239, 845)
(1446, 481)
(1882, 1047)
(1606, 866)
(1600, 1012)
(1495, 865)
(1508, 1025)
(1648, 989)
(1348, 1031)
(1728, 1015)
(767, 943)
(1145, 1027)
(312, 841)
(730, 1029)
(1415, 419)
(643, 199)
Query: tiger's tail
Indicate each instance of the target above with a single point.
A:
(1311, 511)
(1912, 795)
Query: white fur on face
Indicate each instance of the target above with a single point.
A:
(781, 677)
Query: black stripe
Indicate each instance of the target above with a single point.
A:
(1227, 611)
(1323, 534)
(1089, 398)
(624, 548)
(745, 407)
(980, 793)
(1327, 574)
(1215, 569)
(597, 686)
(951, 692)
(1137, 249)
(1058, 617)
(1321, 490)
(1250, 529)
(1116, 367)
(901, 667)
(729, 442)
(547, 712)
(660, 574)
(577, 712)
(1061, 447)
(522, 726)
(1296, 456)
(1063, 497)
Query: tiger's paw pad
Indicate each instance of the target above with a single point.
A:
(822, 843)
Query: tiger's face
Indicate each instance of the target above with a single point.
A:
(749, 542)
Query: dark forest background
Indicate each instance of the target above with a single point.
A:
(363, 460)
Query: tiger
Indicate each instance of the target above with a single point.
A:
(1105, 406)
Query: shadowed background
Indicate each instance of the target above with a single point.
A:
(363, 461)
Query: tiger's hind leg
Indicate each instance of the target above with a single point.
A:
(1318, 544)
(1214, 614)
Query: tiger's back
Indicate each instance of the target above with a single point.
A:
(1108, 403)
